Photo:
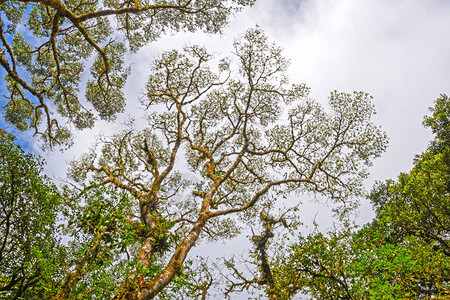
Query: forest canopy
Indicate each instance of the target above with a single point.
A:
(47, 46)
(225, 144)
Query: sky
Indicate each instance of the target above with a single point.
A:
(397, 51)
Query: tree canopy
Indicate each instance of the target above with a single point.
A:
(247, 139)
(30, 252)
(247, 135)
(47, 46)
(225, 144)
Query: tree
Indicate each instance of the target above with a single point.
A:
(439, 123)
(30, 251)
(247, 137)
(419, 204)
(402, 254)
(259, 273)
(101, 232)
(44, 60)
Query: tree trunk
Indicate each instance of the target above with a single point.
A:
(157, 284)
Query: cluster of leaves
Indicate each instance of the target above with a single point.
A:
(99, 245)
(47, 45)
(439, 123)
(30, 250)
(103, 235)
(362, 265)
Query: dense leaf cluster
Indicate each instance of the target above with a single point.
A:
(46, 47)
(30, 250)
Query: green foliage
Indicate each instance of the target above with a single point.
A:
(6, 136)
(364, 264)
(440, 120)
(18, 111)
(103, 236)
(419, 203)
(440, 125)
(30, 249)
(45, 58)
